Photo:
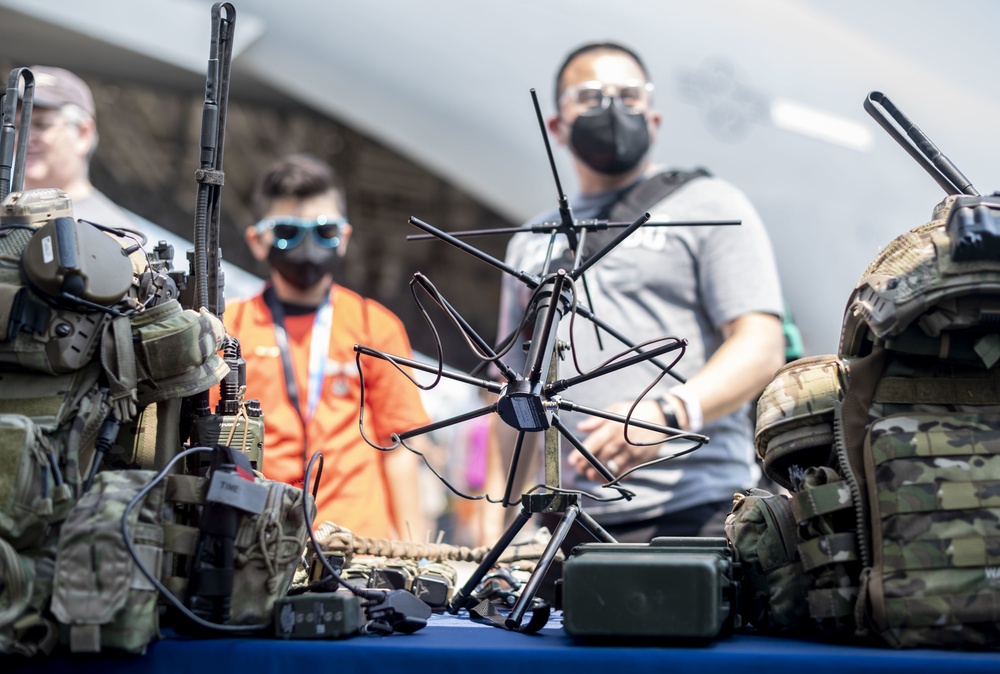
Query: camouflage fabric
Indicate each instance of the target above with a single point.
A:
(111, 604)
(898, 530)
(914, 282)
(176, 352)
(48, 425)
(64, 372)
(26, 627)
(933, 578)
(795, 415)
(267, 550)
(823, 506)
(762, 530)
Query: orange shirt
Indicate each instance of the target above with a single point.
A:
(353, 491)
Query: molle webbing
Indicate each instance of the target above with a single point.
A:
(935, 525)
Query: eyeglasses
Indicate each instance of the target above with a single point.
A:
(44, 122)
(594, 94)
(290, 231)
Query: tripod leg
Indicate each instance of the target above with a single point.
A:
(458, 601)
(531, 587)
(596, 530)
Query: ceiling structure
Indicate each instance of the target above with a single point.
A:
(767, 94)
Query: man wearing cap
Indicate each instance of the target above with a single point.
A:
(62, 140)
(61, 143)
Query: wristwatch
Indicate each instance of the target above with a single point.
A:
(668, 413)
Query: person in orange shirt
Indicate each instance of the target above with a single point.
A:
(298, 338)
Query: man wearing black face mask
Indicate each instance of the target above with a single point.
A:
(298, 338)
(715, 286)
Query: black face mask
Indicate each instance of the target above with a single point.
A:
(610, 140)
(304, 265)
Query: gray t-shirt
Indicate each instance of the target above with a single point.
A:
(683, 282)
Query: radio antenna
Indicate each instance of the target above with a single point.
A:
(14, 182)
(917, 145)
(565, 212)
(210, 177)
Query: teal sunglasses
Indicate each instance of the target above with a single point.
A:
(290, 231)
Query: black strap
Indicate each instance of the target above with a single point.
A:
(635, 201)
(644, 195)
(281, 336)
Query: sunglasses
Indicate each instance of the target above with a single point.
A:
(290, 231)
(592, 95)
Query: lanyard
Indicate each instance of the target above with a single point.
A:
(319, 351)
(319, 348)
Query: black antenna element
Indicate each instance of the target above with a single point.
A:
(14, 182)
(565, 212)
(917, 145)
(210, 177)
(973, 224)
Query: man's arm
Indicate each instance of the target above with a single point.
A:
(402, 472)
(752, 351)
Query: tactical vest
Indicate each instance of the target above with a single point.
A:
(85, 344)
(891, 448)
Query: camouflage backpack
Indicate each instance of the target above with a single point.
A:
(890, 449)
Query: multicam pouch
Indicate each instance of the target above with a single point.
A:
(176, 352)
(934, 472)
(762, 530)
(48, 424)
(111, 604)
(266, 551)
(795, 416)
(26, 626)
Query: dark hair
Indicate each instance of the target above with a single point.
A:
(595, 46)
(297, 175)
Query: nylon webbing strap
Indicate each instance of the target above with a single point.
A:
(118, 361)
(981, 608)
(278, 316)
(954, 390)
(637, 200)
(650, 192)
(832, 602)
(969, 552)
(941, 497)
(820, 500)
(780, 510)
(825, 550)
(8, 297)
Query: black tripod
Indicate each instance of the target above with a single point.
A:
(528, 404)
(528, 401)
